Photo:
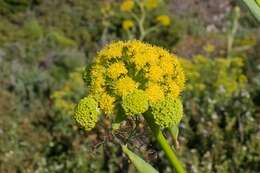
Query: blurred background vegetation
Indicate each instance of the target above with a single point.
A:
(45, 44)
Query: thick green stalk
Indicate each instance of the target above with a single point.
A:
(164, 144)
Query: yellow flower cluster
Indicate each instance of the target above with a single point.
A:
(107, 103)
(154, 92)
(209, 48)
(127, 24)
(133, 76)
(163, 20)
(63, 98)
(116, 69)
(151, 4)
(127, 5)
(226, 75)
(124, 86)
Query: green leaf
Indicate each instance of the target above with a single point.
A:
(253, 6)
(139, 163)
(174, 130)
(258, 3)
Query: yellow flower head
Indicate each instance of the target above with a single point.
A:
(209, 48)
(133, 77)
(151, 4)
(127, 24)
(116, 69)
(107, 103)
(155, 73)
(154, 92)
(111, 51)
(163, 20)
(125, 86)
(173, 89)
(127, 5)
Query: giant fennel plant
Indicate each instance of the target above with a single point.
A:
(132, 78)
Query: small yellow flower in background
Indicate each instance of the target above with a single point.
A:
(116, 69)
(106, 10)
(107, 103)
(151, 4)
(125, 86)
(127, 24)
(209, 48)
(127, 5)
(63, 99)
(163, 20)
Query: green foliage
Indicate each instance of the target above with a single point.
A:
(218, 90)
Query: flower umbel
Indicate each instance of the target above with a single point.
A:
(127, 24)
(168, 112)
(163, 20)
(135, 103)
(136, 77)
(115, 70)
(86, 114)
(107, 103)
(127, 5)
(151, 4)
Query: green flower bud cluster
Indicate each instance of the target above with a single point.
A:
(86, 114)
(168, 112)
(135, 103)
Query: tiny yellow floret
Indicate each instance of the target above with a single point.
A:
(163, 20)
(154, 92)
(125, 86)
(116, 69)
(107, 103)
(155, 73)
(127, 5)
(127, 24)
(151, 4)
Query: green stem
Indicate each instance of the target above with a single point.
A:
(232, 34)
(164, 144)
